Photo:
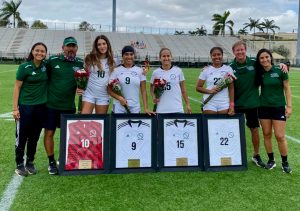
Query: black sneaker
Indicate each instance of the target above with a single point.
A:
(257, 160)
(21, 171)
(52, 168)
(286, 168)
(30, 167)
(271, 164)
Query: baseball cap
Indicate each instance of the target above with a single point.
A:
(127, 48)
(70, 40)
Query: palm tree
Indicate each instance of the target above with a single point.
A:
(221, 23)
(10, 9)
(253, 24)
(269, 25)
(243, 31)
(179, 32)
(201, 31)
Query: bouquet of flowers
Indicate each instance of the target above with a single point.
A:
(221, 84)
(159, 88)
(116, 88)
(81, 77)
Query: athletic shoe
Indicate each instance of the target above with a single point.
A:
(271, 164)
(52, 168)
(21, 171)
(30, 167)
(257, 160)
(286, 168)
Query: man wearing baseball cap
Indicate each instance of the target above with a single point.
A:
(61, 93)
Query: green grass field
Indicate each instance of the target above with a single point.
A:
(234, 190)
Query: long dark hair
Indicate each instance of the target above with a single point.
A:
(93, 57)
(30, 56)
(258, 67)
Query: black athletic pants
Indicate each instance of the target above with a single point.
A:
(28, 130)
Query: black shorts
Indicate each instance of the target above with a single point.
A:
(274, 113)
(53, 117)
(251, 115)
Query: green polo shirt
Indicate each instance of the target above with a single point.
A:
(272, 90)
(246, 93)
(61, 83)
(34, 87)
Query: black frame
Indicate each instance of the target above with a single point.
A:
(63, 140)
(161, 165)
(241, 119)
(114, 118)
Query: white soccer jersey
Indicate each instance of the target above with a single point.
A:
(180, 143)
(133, 143)
(171, 99)
(98, 80)
(224, 142)
(130, 80)
(211, 76)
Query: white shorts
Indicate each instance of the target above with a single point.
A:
(97, 101)
(216, 106)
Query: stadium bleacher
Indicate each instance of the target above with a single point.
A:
(16, 43)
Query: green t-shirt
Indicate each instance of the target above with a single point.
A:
(272, 90)
(61, 83)
(246, 93)
(34, 87)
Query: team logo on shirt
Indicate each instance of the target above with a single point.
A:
(250, 68)
(43, 69)
(134, 74)
(140, 136)
(186, 135)
(274, 75)
(172, 76)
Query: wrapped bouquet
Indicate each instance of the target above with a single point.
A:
(116, 88)
(81, 77)
(159, 88)
(221, 84)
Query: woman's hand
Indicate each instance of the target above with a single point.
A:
(122, 101)
(16, 114)
(79, 92)
(214, 90)
(288, 111)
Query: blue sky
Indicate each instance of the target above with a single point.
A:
(181, 14)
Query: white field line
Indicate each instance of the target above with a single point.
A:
(195, 100)
(7, 116)
(292, 139)
(295, 96)
(7, 71)
(11, 190)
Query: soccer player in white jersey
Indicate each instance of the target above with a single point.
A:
(100, 63)
(171, 99)
(132, 82)
(223, 100)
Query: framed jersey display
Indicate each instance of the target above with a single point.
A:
(84, 144)
(133, 143)
(224, 142)
(179, 142)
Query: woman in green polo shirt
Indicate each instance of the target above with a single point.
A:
(276, 106)
(29, 106)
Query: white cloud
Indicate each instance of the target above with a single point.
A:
(162, 13)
